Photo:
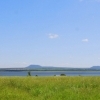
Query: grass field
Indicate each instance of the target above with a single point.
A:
(50, 88)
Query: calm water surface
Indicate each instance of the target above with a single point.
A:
(50, 73)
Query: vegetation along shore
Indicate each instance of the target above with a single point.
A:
(50, 88)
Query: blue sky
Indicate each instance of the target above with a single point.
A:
(49, 33)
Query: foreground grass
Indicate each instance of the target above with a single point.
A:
(50, 88)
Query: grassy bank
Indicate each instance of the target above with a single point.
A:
(50, 88)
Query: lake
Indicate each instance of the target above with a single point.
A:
(50, 73)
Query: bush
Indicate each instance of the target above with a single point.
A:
(36, 75)
(29, 73)
(62, 74)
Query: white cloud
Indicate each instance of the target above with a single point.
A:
(52, 36)
(85, 40)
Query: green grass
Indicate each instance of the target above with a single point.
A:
(50, 88)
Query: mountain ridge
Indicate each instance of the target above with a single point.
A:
(95, 67)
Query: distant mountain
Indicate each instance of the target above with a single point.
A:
(33, 66)
(50, 68)
(38, 67)
(95, 67)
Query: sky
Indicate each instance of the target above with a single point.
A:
(61, 33)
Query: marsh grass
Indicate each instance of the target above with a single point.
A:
(50, 88)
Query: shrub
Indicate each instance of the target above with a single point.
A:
(36, 75)
(62, 74)
(29, 73)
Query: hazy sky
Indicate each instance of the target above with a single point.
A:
(49, 33)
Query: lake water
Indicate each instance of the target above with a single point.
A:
(50, 73)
